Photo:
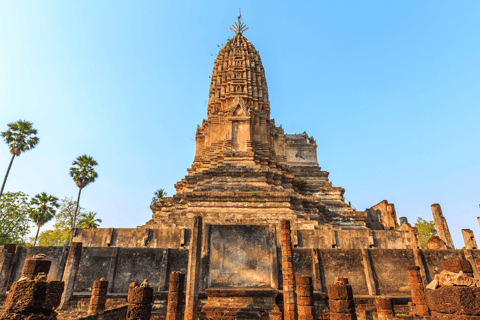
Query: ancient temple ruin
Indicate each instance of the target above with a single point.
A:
(254, 215)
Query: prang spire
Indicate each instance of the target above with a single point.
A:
(239, 27)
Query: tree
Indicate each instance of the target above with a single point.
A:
(82, 173)
(160, 193)
(43, 208)
(88, 221)
(426, 229)
(60, 235)
(15, 224)
(20, 137)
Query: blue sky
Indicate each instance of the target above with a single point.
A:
(389, 89)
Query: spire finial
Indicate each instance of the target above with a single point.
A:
(239, 27)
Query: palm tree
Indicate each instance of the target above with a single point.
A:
(42, 210)
(20, 137)
(82, 173)
(88, 221)
(160, 193)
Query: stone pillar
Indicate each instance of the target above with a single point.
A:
(287, 270)
(340, 300)
(436, 243)
(442, 226)
(140, 299)
(5, 267)
(418, 290)
(384, 308)
(176, 296)
(99, 297)
(469, 238)
(33, 267)
(305, 302)
(70, 273)
(193, 272)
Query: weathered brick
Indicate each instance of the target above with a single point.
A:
(340, 291)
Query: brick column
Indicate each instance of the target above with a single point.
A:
(287, 270)
(36, 298)
(140, 299)
(340, 300)
(305, 302)
(418, 290)
(384, 308)
(176, 296)
(33, 267)
(99, 297)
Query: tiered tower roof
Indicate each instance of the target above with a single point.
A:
(238, 71)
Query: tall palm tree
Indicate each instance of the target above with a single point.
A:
(160, 193)
(42, 209)
(88, 221)
(20, 137)
(82, 173)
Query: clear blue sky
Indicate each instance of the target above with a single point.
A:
(390, 90)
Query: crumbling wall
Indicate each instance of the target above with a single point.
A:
(133, 237)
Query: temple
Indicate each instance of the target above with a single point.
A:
(256, 230)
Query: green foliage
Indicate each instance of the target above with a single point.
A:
(60, 235)
(426, 229)
(82, 171)
(42, 208)
(303, 181)
(88, 221)
(20, 136)
(15, 223)
(159, 194)
(253, 193)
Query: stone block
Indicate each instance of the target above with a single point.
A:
(306, 310)
(304, 291)
(417, 286)
(53, 295)
(340, 292)
(100, 284)
(174, 316)
(305, 317)
(415, 279)
(422, 310)
(26, 297)
(139, 312)
(306, 301)
(140, 295)
(175, 296)
(342, 316)
(444, 316)
(176, 287)
(302, 280)
(174, 308)
(383, 304)
(454, 300)
(33, 267)
(96, 300)
(99, 291)
(96, 308)
(457, 266)
(285, 232)
(177, 277)
(341, 306)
